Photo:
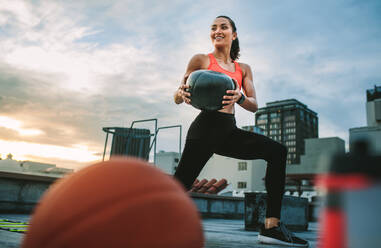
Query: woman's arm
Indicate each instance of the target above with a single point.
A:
(197, 62)
(250, 102)
(233, 96)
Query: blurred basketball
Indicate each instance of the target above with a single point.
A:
(207, 89)
(118, 203)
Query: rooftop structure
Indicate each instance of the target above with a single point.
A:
(318, 151)
(30, 167)
(373, 94)
(373, 106)
(167, 161)
(209, 187)
(372, 132)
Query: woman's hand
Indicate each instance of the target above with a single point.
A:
(185, 95)
(232, 96)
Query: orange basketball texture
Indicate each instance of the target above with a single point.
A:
(118, 203)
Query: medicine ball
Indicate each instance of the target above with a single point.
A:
(207, 89)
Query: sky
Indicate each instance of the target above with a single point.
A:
(69, 68)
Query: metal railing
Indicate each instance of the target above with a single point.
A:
(111, 130)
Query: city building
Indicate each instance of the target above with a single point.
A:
(254, 129)
(30, 167)
(318, 153)
(289, 122)
(167, 161)
(242, 175)
(372, 132)
(373, 106)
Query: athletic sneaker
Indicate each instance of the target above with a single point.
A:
(280, 235)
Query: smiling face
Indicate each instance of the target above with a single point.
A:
(221, 32)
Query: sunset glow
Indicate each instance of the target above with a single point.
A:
(17, 126)
(21, 151)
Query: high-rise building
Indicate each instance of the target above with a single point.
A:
(289, 122)
(372, 132)
(373, 106)
(253, 129)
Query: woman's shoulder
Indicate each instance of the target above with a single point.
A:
(200, 60)
(244, 67)
(200, 57)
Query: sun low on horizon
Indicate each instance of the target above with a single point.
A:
(73, 157)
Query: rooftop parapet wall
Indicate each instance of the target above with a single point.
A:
(252, 208)
(20, 192)
(294, 212)
(215, 206)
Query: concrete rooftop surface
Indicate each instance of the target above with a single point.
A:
(221, 233)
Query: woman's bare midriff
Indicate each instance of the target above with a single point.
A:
(228, 110)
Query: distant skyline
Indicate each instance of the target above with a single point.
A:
(69, 68)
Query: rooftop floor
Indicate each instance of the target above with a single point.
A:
(224, 233)
(221, 233)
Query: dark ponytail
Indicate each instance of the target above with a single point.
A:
(234, 50)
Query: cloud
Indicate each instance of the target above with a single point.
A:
(324, 54)
(69, 68)
(71, 90)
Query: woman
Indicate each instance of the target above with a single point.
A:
(216, 131)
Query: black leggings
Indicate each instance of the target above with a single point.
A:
(216, 132)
